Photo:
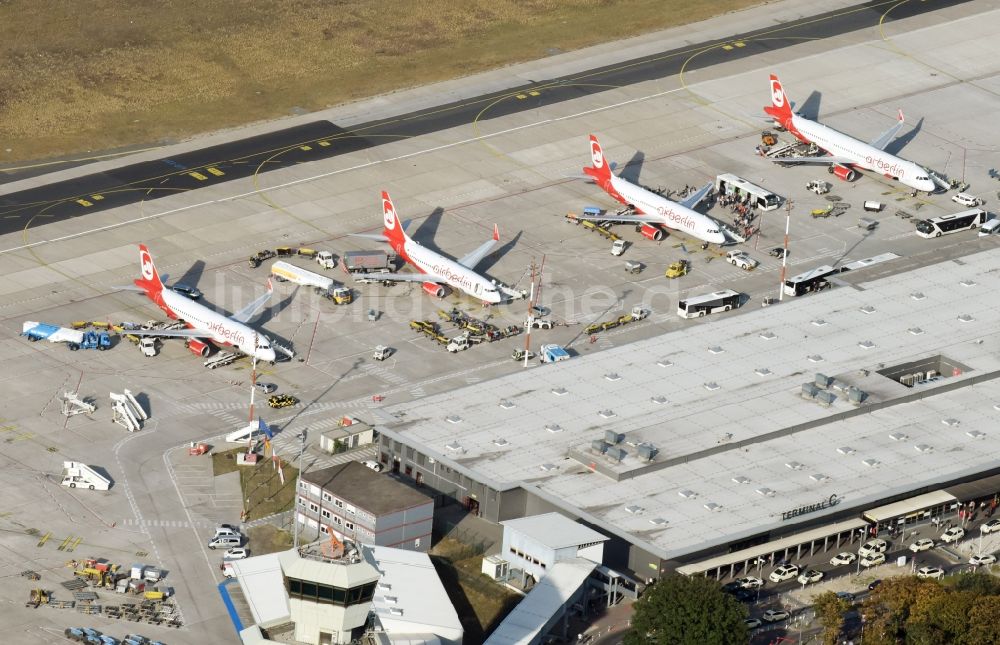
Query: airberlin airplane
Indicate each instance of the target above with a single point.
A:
(654, 211)
(846, 152)
(205, 325)
(435, 269)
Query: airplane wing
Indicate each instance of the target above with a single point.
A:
(407, 277)
(883, 139)
(815, 160)
(252, 309)
(171, 333)
(692, 200)
(472, 259)
(378, 237)
(611, 217)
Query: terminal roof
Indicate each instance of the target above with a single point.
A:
(554, 530)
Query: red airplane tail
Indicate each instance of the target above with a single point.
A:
(393, 230)
(600, 170)
(150, 281)
(780, 107)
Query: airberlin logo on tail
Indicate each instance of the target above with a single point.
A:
(390, 214)
(596, 155)
(777, 94)
(147, 264)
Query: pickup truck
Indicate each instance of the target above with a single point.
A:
(742, 260)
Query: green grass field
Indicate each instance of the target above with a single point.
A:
(79, 79)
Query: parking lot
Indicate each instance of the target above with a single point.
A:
(455, 185)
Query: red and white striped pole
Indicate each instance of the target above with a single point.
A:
(784, 256)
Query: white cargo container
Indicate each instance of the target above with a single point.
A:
(78, 475)
(283, 271)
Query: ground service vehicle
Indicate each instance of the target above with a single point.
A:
(463, 342)
(965, 199)
(282, 401)
(812, 280)
(991, 227)
(340, 296)
(818, 186)
(382, 352)
(742, 260)
(553, 354)
(710, 303)
(367, 261)
(326, 260)
(618, 247)
(53, 333)
(78, 475)
(677, 269)
(257, 259)
(761, 198)
(964, 221)
(519, 354)
(285, 272)
(95, 340)
(149, 345)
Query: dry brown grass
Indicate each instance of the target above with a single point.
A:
(92, 76)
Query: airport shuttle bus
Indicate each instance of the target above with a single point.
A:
(964, 221)
(813, 280)
(710, 303)
(761, 198)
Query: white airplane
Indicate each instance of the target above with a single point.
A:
(435, 269)
(205, 324)
(654, 210)
(846, 152)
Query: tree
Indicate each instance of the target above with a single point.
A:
(887, 609)
(982, 584)
(940, 617)
(984, 621)
(831, 609)
(679, 610)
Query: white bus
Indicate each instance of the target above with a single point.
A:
(709, 303)
(761, 198)
(813, 280)
(964, 221)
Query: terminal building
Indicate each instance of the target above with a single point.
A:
(742, 438)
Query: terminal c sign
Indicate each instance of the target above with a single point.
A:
(833, 500)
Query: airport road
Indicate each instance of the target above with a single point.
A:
(455, 188)
(323, 139)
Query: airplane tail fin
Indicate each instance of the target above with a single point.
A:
(393, 230)
(600, 170)
(150, 281)
(780, 107)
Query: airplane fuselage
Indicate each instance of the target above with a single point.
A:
(225, 330)
(456, 276)
(674, 215)
(864, 155)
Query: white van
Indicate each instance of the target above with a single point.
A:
(991, 227)
(965, 199)
(224, 542)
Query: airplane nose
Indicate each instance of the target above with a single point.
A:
(267, 355)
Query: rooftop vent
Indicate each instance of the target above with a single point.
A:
(712, 506)
(916, 331)
(599, 446)
(711, 386)
(768, 335)
(968, 283)
(454, 418)
(950, 422)
(500, 441)
(635, 509)
(765, 491)
(976, 434)
(560, 391)
(819, 322)
(715, 349)
(917, 295)
(659, 400)
(819, 477)
(687, 494)
(506, 405)
(846, 450)
(898, 436)
(794, 465)
(826, 399)
(856, 395)
(965, 318)
(867, 309)
(815, 358)
(647, 451)
(871, 462)
(839, 385)
(392, 600)
(663, 362)
(616, 453)
(822, 380)
(612, 376)
(396, 611)
(866, 344)
(741, 479)
(553, 427)
(454, 446)
(607, 414)
(762, 371)
(613, 437)
(923, 447)
(809, 391)
(658, 521)
(548, 467)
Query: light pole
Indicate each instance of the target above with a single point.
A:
(295, 508)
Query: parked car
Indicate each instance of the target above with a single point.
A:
(922, 544)
(990, 527)
(187, 290)
(981, 559)
(877, 545)
(872, 560)
(873, 585)
(751, 582)
(784, 572)
(774, 615)
(752, 623)
(810, 575)
(374, 465)
(845, 595)
(237, 553)
(265, 388)
(933, 573)
(843, 558)
(954, 534)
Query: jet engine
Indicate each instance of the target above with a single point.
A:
(652, 232)
(434, 289)
(843, 172)
(198, 348)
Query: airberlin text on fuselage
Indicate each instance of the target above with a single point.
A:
(680, 220)
(231, 336)
(884, 167)
(454, 279)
